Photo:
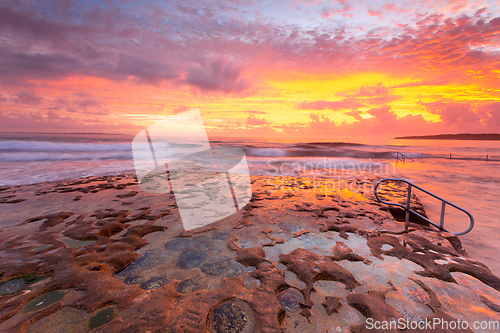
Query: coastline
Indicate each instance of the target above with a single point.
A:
(304, 254)
(462, 136)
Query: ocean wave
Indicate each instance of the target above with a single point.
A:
(64, 156)
(20, 146)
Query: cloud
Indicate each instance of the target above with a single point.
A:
(181, 108)
(347, 103)
(459, 114)
(355, 114)
(220, 75)
(255, 112)
(57, 66)
(374, 95)
(367, 95)
(83, 104)
(20, 65)
(144, 70)
(490, 113)
(345, 10)
(373, 12)
(27, 97)
(322, 123)
(26, 21)
(52, 122)
(370, 91)
(253, 121)
(384, 114)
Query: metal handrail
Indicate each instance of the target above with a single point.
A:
(400, 156)
(409, 210)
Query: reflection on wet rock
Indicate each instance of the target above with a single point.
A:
(102, 317)
(203, 243)
(417, 295)
(43, 301)
(233, 316)
(221, 235)
(221, 266)
(188, 285)
(154, 283)
(12, 286)
(178, 244)
(132, 279)
(191, 258)
(290, 299)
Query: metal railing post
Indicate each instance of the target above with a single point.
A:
(441, 221)
(408, 207)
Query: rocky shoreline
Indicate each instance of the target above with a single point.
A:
(98, 254)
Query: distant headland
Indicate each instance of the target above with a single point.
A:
(463, 136)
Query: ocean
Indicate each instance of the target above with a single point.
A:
(466, 173)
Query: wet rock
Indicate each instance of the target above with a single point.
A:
(332, 304)
(67, 319)
(416, 294)
(132, 279)
(202, 242)
(178, 244)
(248, 257)
(289, 227)
(424, 252)
(300, 233)
(208, 299)
(188, 285)
(343, 252)
(221, 266)
(290, 299)
(143, 229)
(50, 219)
(191, 258)
(486, 301)
(150, 258)
(127, 195)
(220, 235)
(102, 317)
(372, 305)
(154, 283)
(399, 215)
(43, 301)
(310, 267)
(231, 317)
(12, 286)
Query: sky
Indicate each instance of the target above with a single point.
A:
(254, 68)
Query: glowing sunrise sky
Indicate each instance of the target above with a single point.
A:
(329, 69)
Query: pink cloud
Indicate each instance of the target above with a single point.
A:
(490, 113)
(457, 114)
(370, 91)
(220, 75)
(27, 97)
(373, 12)
(253, 121)
(321, 123)
(52, 122)
(334, 105)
